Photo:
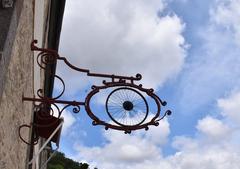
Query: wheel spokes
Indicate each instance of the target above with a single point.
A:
(126, 106)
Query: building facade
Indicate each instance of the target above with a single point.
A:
(22, 21)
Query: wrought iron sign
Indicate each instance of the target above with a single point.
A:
(126, 104)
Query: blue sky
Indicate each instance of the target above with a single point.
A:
(188, 50)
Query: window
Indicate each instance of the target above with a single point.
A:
(6, 12)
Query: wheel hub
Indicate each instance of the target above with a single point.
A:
(127, 105)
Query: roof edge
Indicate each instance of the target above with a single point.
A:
(55, 26)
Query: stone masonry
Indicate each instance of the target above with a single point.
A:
(18, 81)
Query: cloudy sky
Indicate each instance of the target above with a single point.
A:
(187, 50)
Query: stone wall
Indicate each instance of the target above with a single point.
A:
(18, 81)
(9, 20)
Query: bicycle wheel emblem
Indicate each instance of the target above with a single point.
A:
(127, 107)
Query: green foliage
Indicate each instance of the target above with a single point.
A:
(56, 166)
(59, 161)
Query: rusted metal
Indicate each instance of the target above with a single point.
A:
(131, 103)
(51, 101)
(48, 56)
(127, 128)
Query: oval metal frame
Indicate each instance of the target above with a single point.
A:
(128, 128)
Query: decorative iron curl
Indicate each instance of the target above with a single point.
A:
(49, 108)
(45, 58)
(119, 126)
(34, 140)
(46, 116)
(76, 108)
(40, 92)
(167, 113)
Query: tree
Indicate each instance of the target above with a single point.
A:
(59, 161)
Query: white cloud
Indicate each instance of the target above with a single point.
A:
(231, 107)
(213, 128)
(123, 37)
(222, 152)
(206, 158)
(126, 151)
(213, 67)
(184, 143)
(206, 80)
(69, 120)
(215, 145)
(227, 14)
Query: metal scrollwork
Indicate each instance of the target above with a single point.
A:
(126, 104)
(127, 107)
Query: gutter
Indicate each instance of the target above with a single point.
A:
(54, 31)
